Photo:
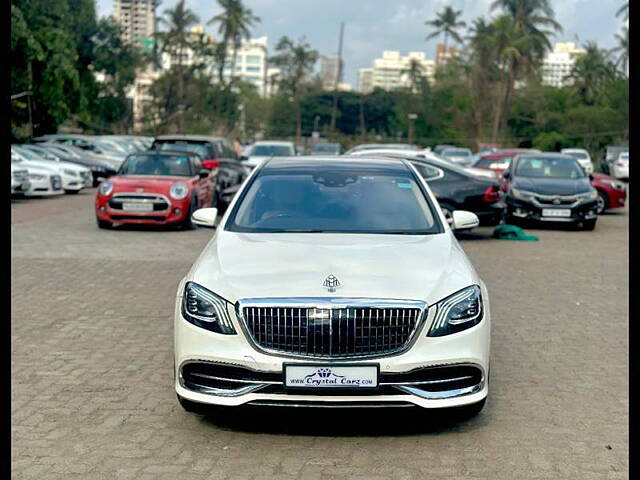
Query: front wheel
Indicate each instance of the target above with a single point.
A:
(187, 223)
(589, 224)
(104, 224)
(72, 192)
(603, 202)
(468, 411)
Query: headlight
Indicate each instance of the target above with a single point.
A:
(71, 173)
(37, 176)
(206, 310)
(179, 190)
(457, 312)
(616, 185)
(592, 195)
(521, 194)
(106, 188)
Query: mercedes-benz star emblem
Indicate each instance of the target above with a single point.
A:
(332, 283)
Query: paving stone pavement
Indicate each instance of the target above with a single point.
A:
(92, 392)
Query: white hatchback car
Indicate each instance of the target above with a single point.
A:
(582, 156)
(333, 281)
(621, 166)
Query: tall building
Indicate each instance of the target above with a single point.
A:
(557, 65)
(391, 71)
(443, 55)
(137, 18)
(329, 71)
(251, 63)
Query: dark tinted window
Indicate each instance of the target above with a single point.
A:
(150, 164)
(272, 150)
(548, 167)
(427, 171)
(199, 148)
(354, 200)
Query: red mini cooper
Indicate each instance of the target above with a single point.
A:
(156, 188)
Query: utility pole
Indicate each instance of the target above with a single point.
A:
(412, 118)
(334, 109)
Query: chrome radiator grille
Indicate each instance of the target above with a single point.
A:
(335, 331)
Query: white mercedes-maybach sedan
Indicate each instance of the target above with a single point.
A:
(333, 282)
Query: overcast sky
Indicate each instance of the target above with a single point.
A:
(372, 26)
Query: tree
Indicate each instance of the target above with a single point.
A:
(296, 62)
(624, 10)
(524, 31)
(591, 73)
(623, 50)
(234, 25)
(176, 41)
(446, 22)
(416, 75)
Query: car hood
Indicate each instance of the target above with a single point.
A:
(427, 268)
(144, 183)
(553, 186)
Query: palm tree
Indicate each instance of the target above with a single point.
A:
(591, 72)
(624, 9)
(525, 38)
(446, 22)
(623, 49)
(176, 40)
(234, 25)
(416, 75)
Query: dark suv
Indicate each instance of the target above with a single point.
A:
(549, 187)
(215, 152)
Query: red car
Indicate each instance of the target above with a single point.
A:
(612, 193)
(156, 188)
(497, 162)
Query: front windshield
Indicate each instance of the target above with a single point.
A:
(272, 151)
(150, 164)
(549, 167)
(29, 154)
(580, 155)
(334, 199)
(197, 148)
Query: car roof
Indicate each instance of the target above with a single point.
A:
(544, 155)
(272, 142)
(195, 138)
(338, 162)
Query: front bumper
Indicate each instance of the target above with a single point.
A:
(428, 359)
(533, 211)
(176, 212)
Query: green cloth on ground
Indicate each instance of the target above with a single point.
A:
(511, 232)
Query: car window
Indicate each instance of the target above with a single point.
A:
(493, 163)
(549, 167)
(199, 148)
(152, 164)
(357, 200)
(272, 150)
(428, 172)
(580, 155)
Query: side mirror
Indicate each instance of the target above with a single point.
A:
(204, 173)
(463, 220)
(205, 217)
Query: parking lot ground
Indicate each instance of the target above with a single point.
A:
(92, 392)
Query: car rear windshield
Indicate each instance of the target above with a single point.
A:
(334, 200)
(580, 155)
(502, 162)
(457, 153)
(549, 167)
(199, 148)
(326, 148)
(150, 164)
(272, 151)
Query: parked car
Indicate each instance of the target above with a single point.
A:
(495, 162)
(87, 143)
(620, 167)
(100, 169)
(461, 156)
(156, 188)
(372, 275)
(438, 149)
(550, 187)
(216, 154)
(44, 154)
(377, 146)
(43, 181)
(73, 176)
(612, 193)
(326, 149)
(455, 187)
(262, 150)
(582, 156)
(611, 155)
(20, 183)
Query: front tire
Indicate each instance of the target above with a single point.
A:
(589, 225)
(187, 223)
(467, 412)
(104, 224)
(193, 407)
(71, 192)
(603, 202)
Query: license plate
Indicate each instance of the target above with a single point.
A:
(331, 376)
(556, 212)
(138, 207)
